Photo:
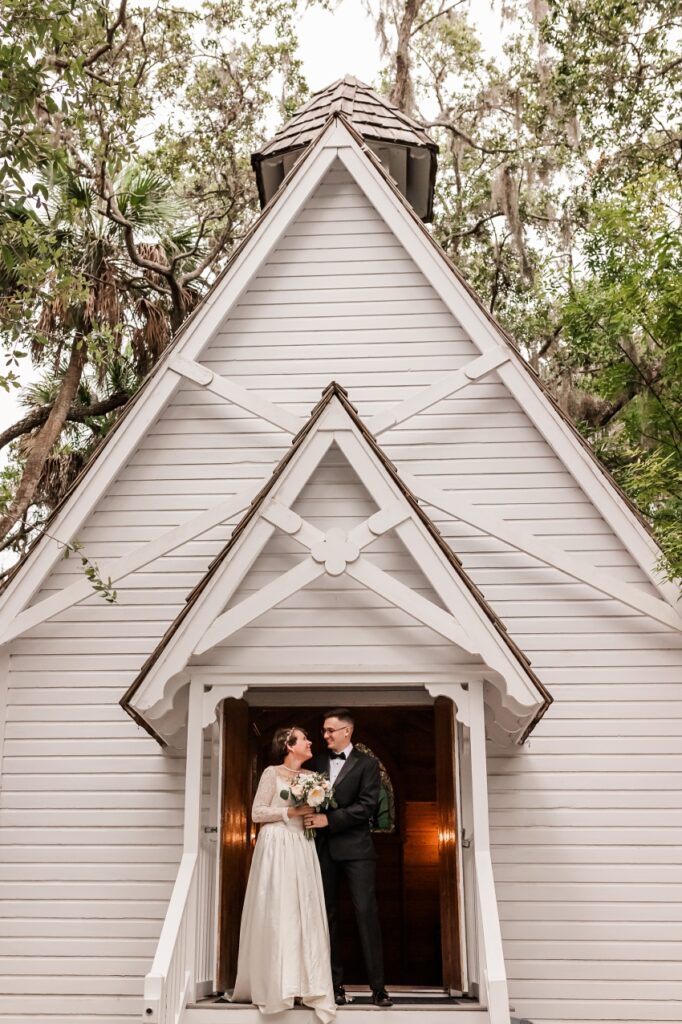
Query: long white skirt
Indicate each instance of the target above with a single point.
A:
(284, 935)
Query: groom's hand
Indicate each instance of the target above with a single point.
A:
(316, 821)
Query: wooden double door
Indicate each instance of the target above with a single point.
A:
(416, 836)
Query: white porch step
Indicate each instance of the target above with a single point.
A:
(431, 1013)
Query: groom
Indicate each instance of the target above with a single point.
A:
(344, 846)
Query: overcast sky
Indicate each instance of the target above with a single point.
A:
(343, 41)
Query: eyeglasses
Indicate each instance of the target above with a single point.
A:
(325, 731)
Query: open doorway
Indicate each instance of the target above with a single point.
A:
(415, 835)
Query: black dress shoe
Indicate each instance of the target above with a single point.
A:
(340, 996)
(380, 997)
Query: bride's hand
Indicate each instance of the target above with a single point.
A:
(298, 812)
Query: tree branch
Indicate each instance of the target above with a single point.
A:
(46, 438)
(97, 51)
(218, 245)
(76, 414)
(439, 14)
(449, 126)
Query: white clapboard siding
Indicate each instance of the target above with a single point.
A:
(90, 842)
(585, 819)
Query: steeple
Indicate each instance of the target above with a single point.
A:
(402, 145)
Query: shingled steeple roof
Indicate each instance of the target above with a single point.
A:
(401, 143)
(373, 116)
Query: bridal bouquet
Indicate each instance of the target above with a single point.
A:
(312, 789)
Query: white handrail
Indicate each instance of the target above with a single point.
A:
(493, 970)
(168, 982)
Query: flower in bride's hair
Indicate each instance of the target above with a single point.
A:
(316, 796)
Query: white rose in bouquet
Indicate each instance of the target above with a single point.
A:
(316, 796)
(297, 790)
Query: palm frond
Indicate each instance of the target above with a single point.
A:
(145, 198)
(149, 340)
(120, 377)
(42, 391)
(61, 468)
(66, 188)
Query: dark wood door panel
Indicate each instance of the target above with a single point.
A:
(448, 842)
(235, 843)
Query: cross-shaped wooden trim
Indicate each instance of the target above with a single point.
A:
(250, 401)
(570, 564)
(444, 388)
(311, 568)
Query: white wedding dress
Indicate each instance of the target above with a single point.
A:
(284, 936)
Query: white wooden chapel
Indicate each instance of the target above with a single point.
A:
(342, 484)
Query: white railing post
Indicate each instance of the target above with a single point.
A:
(192, 829)
(493, 980)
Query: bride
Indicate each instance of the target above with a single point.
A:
(284, 936)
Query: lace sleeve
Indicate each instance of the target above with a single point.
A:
(262, 810)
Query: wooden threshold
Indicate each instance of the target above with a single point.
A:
(222, 1013)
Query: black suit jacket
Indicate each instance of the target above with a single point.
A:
(356, 791)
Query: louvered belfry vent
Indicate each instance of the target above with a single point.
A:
(399, 142)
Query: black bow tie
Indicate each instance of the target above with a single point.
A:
(333, 754)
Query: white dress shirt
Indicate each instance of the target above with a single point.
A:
(336, 763)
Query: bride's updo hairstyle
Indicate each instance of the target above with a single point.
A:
(283, 740)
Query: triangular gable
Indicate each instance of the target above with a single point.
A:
(467, 621)
(337, 141)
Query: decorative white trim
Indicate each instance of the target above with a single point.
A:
(151, 400)
(483, 638)
(249, 401)
(223, 584)
(137, 559)
(335, 140)
(424, 611)
(458, 694)
(213, 695)
(194, 769)
(323, 675)
(256, 604)
(449, 384)
(549, 554)
(491, 966)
